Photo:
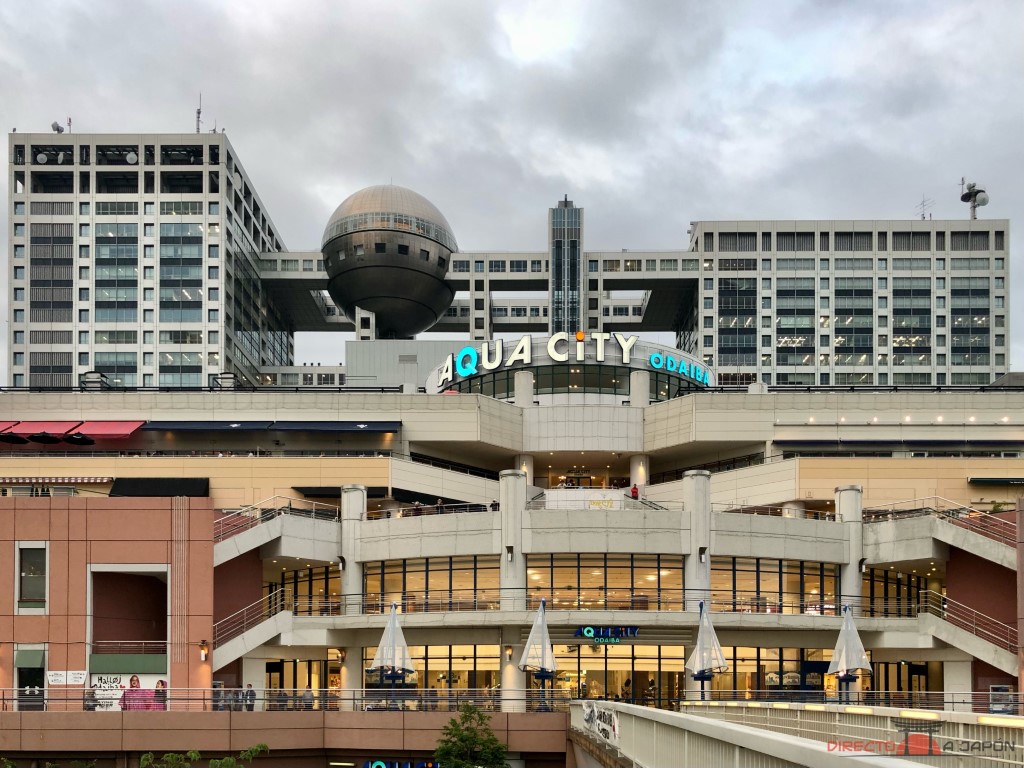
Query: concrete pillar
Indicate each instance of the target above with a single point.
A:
(353, 510)
(254, 673)
(639, 471)
(523, 384)
(958, 682)
(848, 501)
(795, 509)
(513, 679)
(639, 389)
(512, 498)
(350, 695)
(697, 566)
(524, 463)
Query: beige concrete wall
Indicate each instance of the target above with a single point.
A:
(608, 428)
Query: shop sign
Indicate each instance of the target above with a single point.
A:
(490, 355)
(428, 763)
(607, 635)
(684, 368)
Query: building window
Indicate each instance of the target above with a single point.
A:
(380, 247)
(478, 266)
(31, 577)
(496, 266)
(537, 266)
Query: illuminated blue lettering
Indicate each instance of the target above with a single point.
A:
(464, 369)
(670, 363)
(657, 361)
(684, 368)
(698, 372)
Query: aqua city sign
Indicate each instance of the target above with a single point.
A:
(561, 348)
(607, 635)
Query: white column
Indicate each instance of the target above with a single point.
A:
(795, 509)
(957, 681)
(512, 498)
(848, 501)
(524, 463)
(353, 509)
(523, 383)
(639, 389)
(697, 566)
(351, 691)
(254, 673)
(639, 471)
(513, 679)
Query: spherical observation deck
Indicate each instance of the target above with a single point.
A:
(387, 250)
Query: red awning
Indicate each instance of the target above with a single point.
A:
(5, 425)
(108, 429)
(57, 428)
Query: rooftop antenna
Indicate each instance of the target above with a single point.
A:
(973, 194)
(923, 206)
(199, 113)
(69, 125)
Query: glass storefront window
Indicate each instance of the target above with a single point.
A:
(606, 582)
(765, 585)
(468, 583)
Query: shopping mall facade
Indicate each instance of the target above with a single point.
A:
(180, 503)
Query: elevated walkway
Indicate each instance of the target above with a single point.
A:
(615, 735)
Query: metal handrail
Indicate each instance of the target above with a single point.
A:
(407, 697)
(962, 516)
(241, 621)
(428, 509)
(129, 646)
(596, 599)
(249, 517)
(964, 617)
(773, 511)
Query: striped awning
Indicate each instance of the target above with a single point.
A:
(54, 480)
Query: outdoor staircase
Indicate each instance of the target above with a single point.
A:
(251, 627)
(965, 528)
(251, 527)
(958, 625)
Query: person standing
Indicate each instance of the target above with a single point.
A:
(160, 695)
(134, 697)
(439, 507)
(634, 492)
(249, 697)
(307, 698)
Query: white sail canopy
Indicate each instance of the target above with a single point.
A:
(539, 654)
(393, 654)
(849, 655)
(707, 653)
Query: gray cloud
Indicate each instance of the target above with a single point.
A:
(647, 114)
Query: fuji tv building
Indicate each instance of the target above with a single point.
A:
(832, 425)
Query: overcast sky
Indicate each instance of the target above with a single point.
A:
(647, 114)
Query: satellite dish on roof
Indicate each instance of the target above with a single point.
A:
(60, 158)
(982, 198)
(56, 127)
(41, 158)
(132, 158)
